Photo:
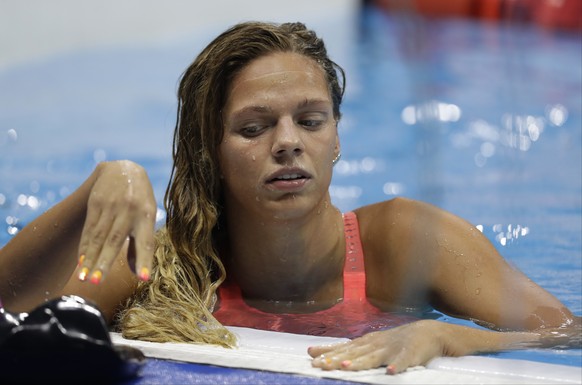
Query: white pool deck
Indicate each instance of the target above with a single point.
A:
(287, 353)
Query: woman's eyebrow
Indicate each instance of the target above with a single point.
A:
(252, 108)
(266, 109)
(313, 102)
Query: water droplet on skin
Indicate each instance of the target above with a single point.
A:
(253, 158)
(477, 291)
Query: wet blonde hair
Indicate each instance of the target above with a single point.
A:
(176, 303)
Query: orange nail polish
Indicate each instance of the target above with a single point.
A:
(144, 274)
(83, 274)
(81, 259)
(96, 277)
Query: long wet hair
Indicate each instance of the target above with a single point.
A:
(176, 304)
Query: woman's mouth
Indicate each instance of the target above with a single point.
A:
(288, 181)
(288, 177)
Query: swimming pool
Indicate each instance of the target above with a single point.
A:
(483, 120)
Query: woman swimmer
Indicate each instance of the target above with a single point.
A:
(254, 146)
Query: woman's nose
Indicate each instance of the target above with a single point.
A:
(287, 139)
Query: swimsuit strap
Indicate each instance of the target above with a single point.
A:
(354, 273)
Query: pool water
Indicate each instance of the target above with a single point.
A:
(481, 119)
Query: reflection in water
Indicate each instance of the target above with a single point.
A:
(393, 188)
(13, 226)
(345, 193)
(431, 111)
(365, 165)
(515, 131)
(507, 234)
(11, 135)
(521, 130)
(557, 114)
(31, 201)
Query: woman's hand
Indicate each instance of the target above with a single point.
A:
(412, 345)
(399, 348)
(121, 208)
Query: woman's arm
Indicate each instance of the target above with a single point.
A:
(114, 203)
(418, 254)
(416, 344)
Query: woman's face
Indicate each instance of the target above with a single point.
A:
(280, 137)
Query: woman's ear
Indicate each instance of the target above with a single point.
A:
(337, 150)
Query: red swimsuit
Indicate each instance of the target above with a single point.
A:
(352, 317)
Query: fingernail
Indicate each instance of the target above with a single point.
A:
(83, 274)
(96, 277)
(346, 363)
(144, 274)
(391, 369)
(328, 360)
(81, 260)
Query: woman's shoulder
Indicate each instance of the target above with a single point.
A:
(381, 224)
(389, 210)
(396, 223)
(392, 234)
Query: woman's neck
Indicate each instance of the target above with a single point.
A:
(292, 264)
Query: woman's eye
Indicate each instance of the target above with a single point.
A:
(251, 131)
(313, 120)
(310, 123)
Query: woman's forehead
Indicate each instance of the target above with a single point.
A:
(278, 62)
(276, 74)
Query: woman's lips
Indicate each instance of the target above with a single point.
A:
(288, 181)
